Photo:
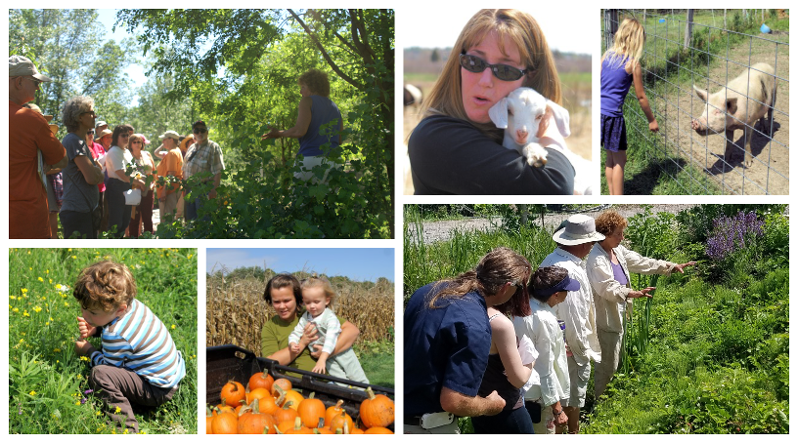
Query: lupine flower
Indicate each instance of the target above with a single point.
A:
(731, 234)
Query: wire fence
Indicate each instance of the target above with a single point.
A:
(709, 51)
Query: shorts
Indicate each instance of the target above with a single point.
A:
(579, 376)
(613, 133)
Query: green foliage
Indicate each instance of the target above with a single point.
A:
(48, 380)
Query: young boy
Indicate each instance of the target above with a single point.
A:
(138, 362)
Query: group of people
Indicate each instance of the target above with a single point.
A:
(95, 179)
(512, 347)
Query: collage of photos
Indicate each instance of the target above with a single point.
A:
(235, 207)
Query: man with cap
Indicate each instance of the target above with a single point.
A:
(204, 156)
(28, 133)
(574, 242)
(170, 166)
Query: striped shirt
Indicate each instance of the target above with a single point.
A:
(206, 157)
(140, 342)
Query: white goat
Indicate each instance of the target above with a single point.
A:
(520, 114)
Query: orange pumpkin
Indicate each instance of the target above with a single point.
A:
(232, 393)
(342, 422)
(357, 431)
(280, 383)
(208, 420)
(218, 409)
(298, 428)
(285, 414)
(255, 422)
(294, 398)
(261, 380)
(377, 410)
(332, 411)
(267, 405)
(257, 393)
(225, 423)
(378, 430)
(311, 410)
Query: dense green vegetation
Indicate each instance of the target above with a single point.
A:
(710, 352)
(48, 391)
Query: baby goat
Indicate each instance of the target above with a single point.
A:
(520, 114)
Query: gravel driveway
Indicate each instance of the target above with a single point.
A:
(435, 231)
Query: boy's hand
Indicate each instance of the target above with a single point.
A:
(82, 347)
(320, 368)
(85, 329)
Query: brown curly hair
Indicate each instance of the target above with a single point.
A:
(317, 81)
(609, 221)
(105, 285)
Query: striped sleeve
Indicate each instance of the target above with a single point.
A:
(140, 342)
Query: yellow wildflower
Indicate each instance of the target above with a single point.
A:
(47, 271)
(24, 290)
(41, 279)
(74, 256)
(15, 310)
(57, 350)
(37, 309)
(117, 410)
(25, 314)
(12, 297)
(77, 403)
(98, 413)
(32, 392)
(173, 326)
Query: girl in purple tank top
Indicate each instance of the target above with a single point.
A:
(620, 66)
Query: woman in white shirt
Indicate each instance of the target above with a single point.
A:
(118, 182)
(549, 287)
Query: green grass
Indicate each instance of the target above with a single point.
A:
(425, 77)
(48, 379)
(377, 360)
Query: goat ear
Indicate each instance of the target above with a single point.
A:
(561, 116)
(731, 105)
(498, 113)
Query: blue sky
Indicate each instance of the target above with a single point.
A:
(357, 264)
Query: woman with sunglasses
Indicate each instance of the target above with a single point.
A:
(79, 210)
(456, 149)
(315, 111)
(146, 165)
(117, 183)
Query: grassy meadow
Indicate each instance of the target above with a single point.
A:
(236, 313)
(709, 353)
(49, 381)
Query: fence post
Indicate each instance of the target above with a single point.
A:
(688, 28)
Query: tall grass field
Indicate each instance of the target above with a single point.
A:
(49, 390)
(708, 354)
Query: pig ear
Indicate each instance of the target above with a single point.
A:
(731, 105)
(498, 113)
(702, 94)
(561, 116)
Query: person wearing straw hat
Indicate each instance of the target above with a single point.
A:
(608, 268)
(29, 134)
(548, 287)
(574, 242)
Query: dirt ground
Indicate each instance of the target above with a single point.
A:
(579, 141)
(770, 170)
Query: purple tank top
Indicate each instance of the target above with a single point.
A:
(615, 84)
(620, 276)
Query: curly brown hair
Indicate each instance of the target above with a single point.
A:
(105, 285)
(609, 221)
(316, 80)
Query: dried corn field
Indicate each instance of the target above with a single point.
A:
(236, 310)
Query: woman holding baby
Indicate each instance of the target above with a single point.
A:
(284, 294)
(456, 149)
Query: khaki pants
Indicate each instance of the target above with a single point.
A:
(120, 387)
(170, 205)
(579, 376)
(546, 425)
(610, 356)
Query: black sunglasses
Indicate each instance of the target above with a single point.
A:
(91, 132)
(501, 71)
(200, 130)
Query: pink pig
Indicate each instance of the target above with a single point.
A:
(739, 105)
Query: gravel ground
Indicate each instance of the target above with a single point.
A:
(435, 231)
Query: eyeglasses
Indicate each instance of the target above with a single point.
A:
(36, 82)
(200, 130)
(501, 71)
(91, 132)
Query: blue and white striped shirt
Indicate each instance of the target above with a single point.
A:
(139, 341)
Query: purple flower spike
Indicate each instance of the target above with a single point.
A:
(83, 400)
(88, 391)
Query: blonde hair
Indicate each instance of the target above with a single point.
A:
(628, 44)
(318, 282)
(508, 24)
(105, 285)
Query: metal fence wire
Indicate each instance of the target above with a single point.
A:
(680, 54)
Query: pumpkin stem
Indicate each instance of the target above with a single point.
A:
(297, 423)
(370, 392)
(254, 407)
